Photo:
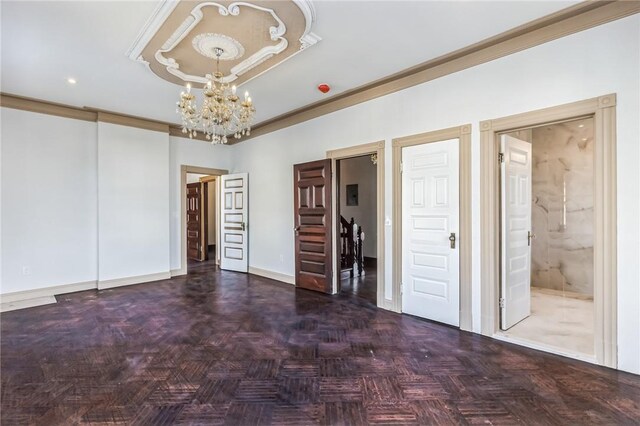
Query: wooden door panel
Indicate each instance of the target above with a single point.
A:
(312, 220)
(194, 221)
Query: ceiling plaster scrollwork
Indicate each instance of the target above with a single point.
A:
(169, 62)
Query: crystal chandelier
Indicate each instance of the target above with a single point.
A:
(222, 113)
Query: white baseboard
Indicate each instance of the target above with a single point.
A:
(46, 292)
(40, 296)
(178, 272)
(289, 279)
(120, 282)
(27, 303)
(45, 296)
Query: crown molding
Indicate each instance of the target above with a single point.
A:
(40, 106)
(176, 130)
(573, 19)
(130, 121)
(8, 100)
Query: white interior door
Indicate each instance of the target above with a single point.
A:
(430, 209)
(515, 296)
(234, 222)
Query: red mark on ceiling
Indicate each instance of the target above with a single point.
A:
(324, 88)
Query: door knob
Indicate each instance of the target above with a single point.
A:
(296, 229)
(243, 225)
(452, 239)
(530, 236)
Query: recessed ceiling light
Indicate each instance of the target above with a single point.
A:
(581, 125)
(584, 139)
(71, 80)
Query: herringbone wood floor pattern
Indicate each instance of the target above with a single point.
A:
(224, 348)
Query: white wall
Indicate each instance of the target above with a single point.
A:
(49, 179)
(595, 62)
(189, 152)
(133, 202)
(362, 172)
(49, 201)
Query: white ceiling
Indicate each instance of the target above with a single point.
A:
(44, 43)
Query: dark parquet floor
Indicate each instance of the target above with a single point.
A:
(217, 347)
(363, 286)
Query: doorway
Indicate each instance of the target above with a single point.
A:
(512, 258)
(356, 184)
(201, 217)
(206, 179)
(547, 188)
(358, 249)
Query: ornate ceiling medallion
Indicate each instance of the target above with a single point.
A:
(206, 44)
(177, 43)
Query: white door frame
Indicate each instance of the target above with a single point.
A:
(376, 148)
(184, 169)
(603, 110)
(463, 134)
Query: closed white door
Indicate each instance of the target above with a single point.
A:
(430, 231)
(234, 222)
(515, 296)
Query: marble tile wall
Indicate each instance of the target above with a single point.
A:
(562, 212)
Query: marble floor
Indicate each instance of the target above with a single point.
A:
(564, 323)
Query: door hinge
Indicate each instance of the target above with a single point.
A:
(500, 157)
(401, 167)
(401, 288)
(502, 302)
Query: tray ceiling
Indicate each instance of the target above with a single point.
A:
(178, 42)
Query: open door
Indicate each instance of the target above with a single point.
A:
(430, 231)
(312, 225)
(515, 297)
(196, 217)
(234, 222)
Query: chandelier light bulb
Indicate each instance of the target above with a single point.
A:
(246, 95)
(233, 89)
(188, 87)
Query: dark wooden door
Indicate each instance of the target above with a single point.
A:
(195, 221)
(312, 221)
